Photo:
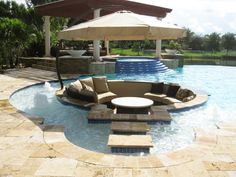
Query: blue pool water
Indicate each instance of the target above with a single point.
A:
(218, 81)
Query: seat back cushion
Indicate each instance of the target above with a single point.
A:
(172, 90)
(87, 84)
(157, 88)
(100, 84)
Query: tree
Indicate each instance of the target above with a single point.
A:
(5, 9)
(32, 3)
(187, 40)
(174, 45)
(138, 46)
(196, 42)
(228, 41)
(212, 42)
(34, 22)
(13, 37)
(57, 24)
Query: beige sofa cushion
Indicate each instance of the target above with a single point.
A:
(100, 84)
(105, 97)
(170, 100)
(155, 96)
(129, 88)
(87, 84)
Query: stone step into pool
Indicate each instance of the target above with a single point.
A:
(130, 143)
(139, 65)
(129, 127)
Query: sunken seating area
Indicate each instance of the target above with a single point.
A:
(129, 129)
(98, 90)
(161, 93)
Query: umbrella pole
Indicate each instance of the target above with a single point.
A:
(58, 67)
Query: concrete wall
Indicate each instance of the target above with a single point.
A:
(170, 63)
(222, 62)
(84, 64)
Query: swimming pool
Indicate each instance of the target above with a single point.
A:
(218, 81)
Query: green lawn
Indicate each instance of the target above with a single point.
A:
(187, 54)
(130, 52)
(205, 54)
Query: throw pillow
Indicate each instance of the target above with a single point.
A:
(72, 91)
(172, 90)
(77, 84)
(87, 84)
(100, 84)
(182, 93)
(189, 98)
(157, 88)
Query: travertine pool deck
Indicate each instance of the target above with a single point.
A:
(29, 148)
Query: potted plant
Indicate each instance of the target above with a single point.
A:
(173, 47)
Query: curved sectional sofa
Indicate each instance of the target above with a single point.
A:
(99, 90)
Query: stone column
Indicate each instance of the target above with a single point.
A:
(47, 36)
(96, 43)
(107, 47)
(158, 48)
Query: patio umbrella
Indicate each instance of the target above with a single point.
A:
(123, 25)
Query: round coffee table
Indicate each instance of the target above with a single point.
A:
(132, 105)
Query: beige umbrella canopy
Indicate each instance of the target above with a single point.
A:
(123, 25)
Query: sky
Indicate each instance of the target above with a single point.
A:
(200, 16)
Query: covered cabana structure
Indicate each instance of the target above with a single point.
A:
(84, 9)
(88, 9)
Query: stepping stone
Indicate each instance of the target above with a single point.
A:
(129, 127)
(98, 107)
(156, 116)
(130, 143)
(94, 116)
(159, 108)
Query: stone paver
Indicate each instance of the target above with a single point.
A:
(130, 141)
(28, 148)
(129, 127)
(57, 167)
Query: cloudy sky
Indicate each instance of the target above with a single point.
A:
(201, 16)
